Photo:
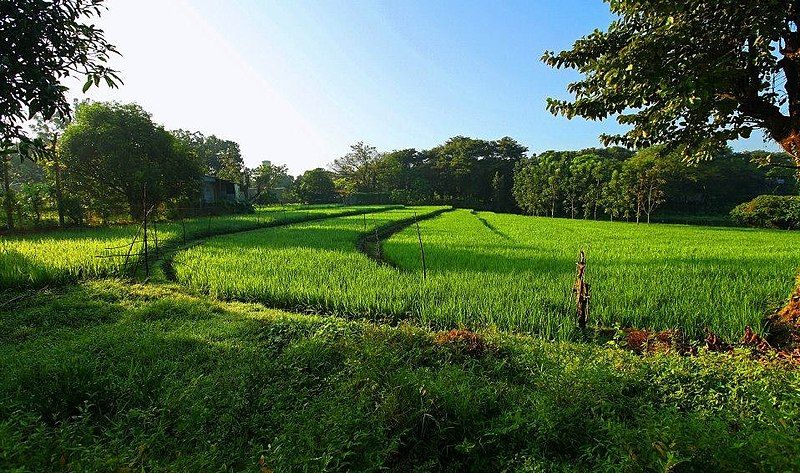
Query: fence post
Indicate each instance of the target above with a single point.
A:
(155, 230)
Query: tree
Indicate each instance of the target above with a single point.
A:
(33, 197)
(316, 187)
(8, 194)
(692, 74)
(114, 153)
(645, 175)
(47, 132)
(357, 169)
(616, 198)
(530, 180)
(221, 158)
(268, 178)
(41, 43)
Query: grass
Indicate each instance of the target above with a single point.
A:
(510, 272)
(110, 376)
(309, 266)
(67, 255)
(517, 272)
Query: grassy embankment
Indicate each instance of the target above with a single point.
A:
(109, 376)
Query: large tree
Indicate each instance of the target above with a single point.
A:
(357, 169)
(115, 153)
(43, 42)
(692, 73)
(222, 158)
(316, 187)
(270, 180)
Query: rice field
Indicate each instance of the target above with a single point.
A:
(510, 272)
(309, 266)
(517, 272)
(67, 255)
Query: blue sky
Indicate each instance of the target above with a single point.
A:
(296, 82)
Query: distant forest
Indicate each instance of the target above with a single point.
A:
(613, 183)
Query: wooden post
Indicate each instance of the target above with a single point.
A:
(183, 226)
(581, 291)
(378, 246)
(421, 248)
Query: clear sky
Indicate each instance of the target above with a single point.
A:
(296, 82)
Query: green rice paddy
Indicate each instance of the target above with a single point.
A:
(510, 272)
(66, 255)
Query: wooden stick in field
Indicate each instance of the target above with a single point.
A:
(421, 248)
(581, 291)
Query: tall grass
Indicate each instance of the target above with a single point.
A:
(511, 272)
(67, 255)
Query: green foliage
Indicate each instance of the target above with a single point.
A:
(769, 211)
(110, 376)
(34, 198)
(272, 182)
(41, 43)
(220, 158)
(316, 187)
(463, 171)
(117, 157)
(506, 271)
(694, 73)
(618, 184)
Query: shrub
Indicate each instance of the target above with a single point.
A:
(769, 211)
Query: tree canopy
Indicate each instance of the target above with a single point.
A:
(222, 158)
(118, 156)
(316, 186)
(692, 73)
(43, 42)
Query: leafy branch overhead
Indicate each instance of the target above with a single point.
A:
(43, 42)
(691, 73)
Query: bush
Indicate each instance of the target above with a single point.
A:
(769, 211)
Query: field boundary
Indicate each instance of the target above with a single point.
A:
(371, 244)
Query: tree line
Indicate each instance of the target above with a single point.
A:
(614, 183)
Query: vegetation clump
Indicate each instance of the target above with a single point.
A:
(769, 211)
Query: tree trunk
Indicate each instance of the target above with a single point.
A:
(9, 204)
(59, 191)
